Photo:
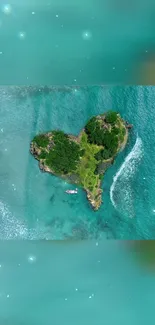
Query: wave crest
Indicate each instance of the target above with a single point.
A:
(121, 193)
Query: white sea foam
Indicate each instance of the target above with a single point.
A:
(10, 227)
(121, 191)
(13, 228)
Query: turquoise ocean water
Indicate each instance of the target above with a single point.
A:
(34, 205)
(78, 42)
(73, 283)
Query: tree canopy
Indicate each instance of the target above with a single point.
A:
(41, 140)
(111, 117)
(94, 132)
(65, 154)
(101, 136)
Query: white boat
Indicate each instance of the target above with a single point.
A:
(72, 191)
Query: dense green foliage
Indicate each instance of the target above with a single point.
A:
(108, 138)
(110, 141)
(41, 140)
(94, 132)
(43, 154)
(115, 131)
(99, 155)
(105, 154)
(111, 117)
(65, 154)
(59, 136)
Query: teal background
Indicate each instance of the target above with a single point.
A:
(122, 291)
(34, 205)
(54, 52)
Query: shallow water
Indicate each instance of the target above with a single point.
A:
(34, 205)
(73, 283)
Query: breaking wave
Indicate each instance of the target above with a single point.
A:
(121, 193)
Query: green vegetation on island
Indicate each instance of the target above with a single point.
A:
(83, 159)
(65, 154)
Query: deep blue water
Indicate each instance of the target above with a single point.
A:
(34, 205)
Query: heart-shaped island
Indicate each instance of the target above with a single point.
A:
(83, 160)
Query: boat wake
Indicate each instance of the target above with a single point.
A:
(121, 192)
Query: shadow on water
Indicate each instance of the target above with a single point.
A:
(103, 226)
(54, 222)
(52, 198)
